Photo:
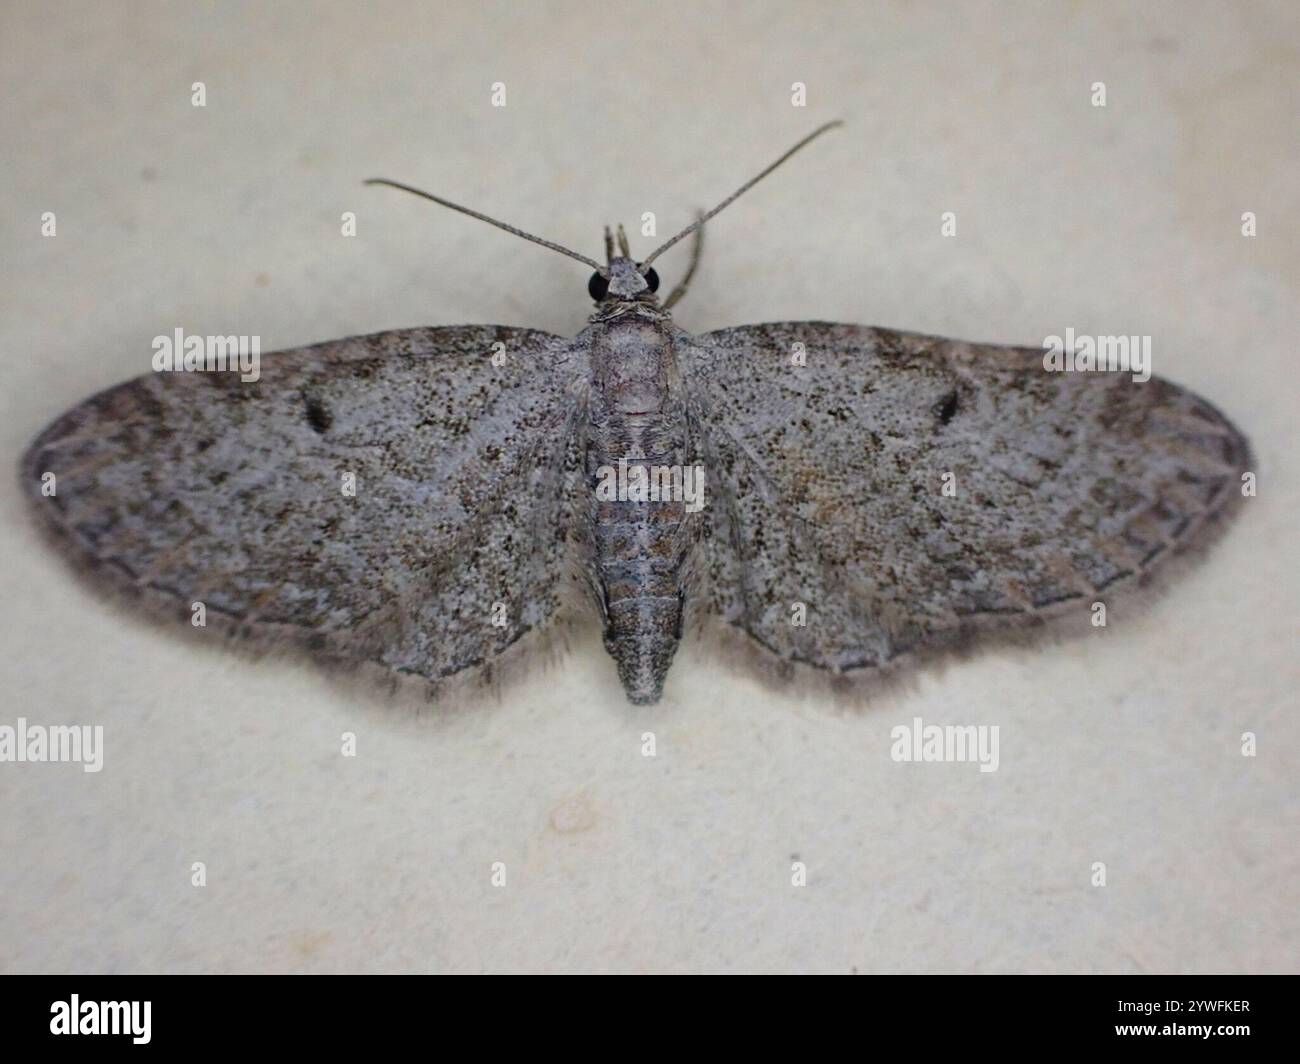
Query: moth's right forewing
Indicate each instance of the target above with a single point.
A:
(880, 493)
(397, 498)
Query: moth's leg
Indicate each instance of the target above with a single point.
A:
(697, 245)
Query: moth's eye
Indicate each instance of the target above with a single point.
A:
(652, 279)
(597, 287)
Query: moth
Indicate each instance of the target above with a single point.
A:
(840, 497)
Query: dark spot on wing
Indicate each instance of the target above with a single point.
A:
(318, 415)
(946, 407)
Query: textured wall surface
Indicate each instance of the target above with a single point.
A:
(1120, 746)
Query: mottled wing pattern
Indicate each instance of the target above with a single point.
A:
(827, 481)
(199, 487)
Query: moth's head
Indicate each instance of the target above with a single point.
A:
(622, 279)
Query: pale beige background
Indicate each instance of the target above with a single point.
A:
(1120, 747)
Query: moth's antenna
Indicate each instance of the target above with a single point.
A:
(735, 195)
(491, 221)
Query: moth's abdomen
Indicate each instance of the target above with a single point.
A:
(636, 454)
(640, 562)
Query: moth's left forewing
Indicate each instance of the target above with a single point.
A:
(881, 492)
(403, 499)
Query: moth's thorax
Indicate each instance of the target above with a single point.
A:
(632, 364)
